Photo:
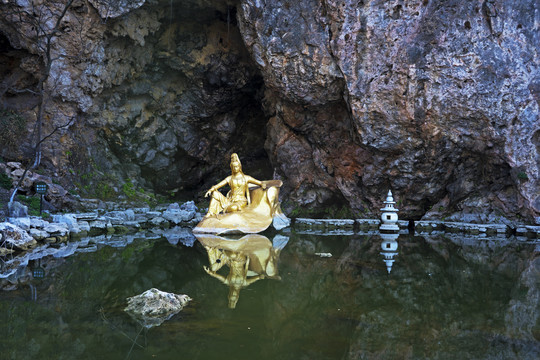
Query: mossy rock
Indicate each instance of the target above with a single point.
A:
(121, 229)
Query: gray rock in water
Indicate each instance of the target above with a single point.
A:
(178, 214)
(189, 206)
(18, 210)
(157, 221)
(57, 229)
(23, 222)
(153, 307)
(38, 234)
(281, 221)
(69, 220)
(15, 237)
(120, 216)
(173, 207)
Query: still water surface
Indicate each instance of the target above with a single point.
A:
(446, 297)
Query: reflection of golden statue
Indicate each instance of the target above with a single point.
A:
(237, 279)
(249, 259)
(245, 209)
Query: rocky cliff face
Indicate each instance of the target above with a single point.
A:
(162, 93)
(437, 100)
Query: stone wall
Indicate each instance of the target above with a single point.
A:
(161, 92)
(436, 100)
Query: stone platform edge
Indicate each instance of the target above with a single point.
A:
(420, 227)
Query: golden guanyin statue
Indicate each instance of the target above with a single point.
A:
(249, 259)
(249, 207)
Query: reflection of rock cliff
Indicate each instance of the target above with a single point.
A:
(433, 305)
(436, 99)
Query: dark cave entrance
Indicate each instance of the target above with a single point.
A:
(16, 84)
(17, 99)
(221, 99)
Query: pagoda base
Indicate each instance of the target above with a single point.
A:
(390, 227)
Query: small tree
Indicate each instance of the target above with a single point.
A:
(44, 22)
(41, 26)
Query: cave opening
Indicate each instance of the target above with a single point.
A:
(198, 101)
(5, 46)
(17, 85)
(10, 59)
(217, 106)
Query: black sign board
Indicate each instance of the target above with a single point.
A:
(38, 273)
(41, 188)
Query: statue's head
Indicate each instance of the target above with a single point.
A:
(217, 258)
(236, 165)
(234, 295)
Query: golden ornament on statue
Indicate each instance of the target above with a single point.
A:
(249, 207)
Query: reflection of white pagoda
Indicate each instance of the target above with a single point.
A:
(389, 249)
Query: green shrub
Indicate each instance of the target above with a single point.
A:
(522, 175)
(129, 190)
(104, 191)
(33, 203)
(5, 181)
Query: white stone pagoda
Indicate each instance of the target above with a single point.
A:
(389, 216)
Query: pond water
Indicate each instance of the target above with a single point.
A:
(445, 297)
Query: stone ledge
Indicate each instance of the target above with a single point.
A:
(31, 231)
(357, 226)
(325, 232)
(305, 225)
(324, 223)
(367, 223)
(528, 231)
(429, 226)
(75, 226)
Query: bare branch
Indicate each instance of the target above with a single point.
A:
(56, 129)
(39, 21)
(18, 91)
